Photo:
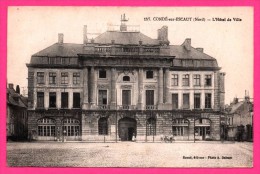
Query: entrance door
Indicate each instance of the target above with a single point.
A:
(126, 128)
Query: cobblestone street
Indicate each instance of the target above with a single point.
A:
(130, 154)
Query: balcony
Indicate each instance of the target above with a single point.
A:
(126, 107)
(103, 107)
(151, 107)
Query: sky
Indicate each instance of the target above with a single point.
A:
(31, 29)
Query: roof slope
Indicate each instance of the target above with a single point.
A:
(131, 38)
(11, 99)
(180, 52)
(62, 50)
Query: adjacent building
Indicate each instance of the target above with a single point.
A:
(239, 120)
(123, 84)
(16, 114)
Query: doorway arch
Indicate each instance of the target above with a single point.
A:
(126, 128)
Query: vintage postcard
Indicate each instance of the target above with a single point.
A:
(131, 87)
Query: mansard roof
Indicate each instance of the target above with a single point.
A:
(61, 50)
(125, 38)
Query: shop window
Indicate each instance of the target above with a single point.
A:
(46, 127)
(102, 126)
(71, 127)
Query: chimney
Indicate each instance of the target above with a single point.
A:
(163, 35)
(123, 27)
(200, 49)
(11, 86)
(187, 44)
(60, 38)
(85, 36)
(140, 42)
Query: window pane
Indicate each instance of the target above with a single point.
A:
(102, 97)
(64, 100)
(126, 97)
(149, 74)
(149, 97)
(196, 101)
(175, 103)
(186, 101)
(40, 99)
(76, 78)
(76, 100)
(102, 74)
(207, 100)
(52, 99)
(185, 80)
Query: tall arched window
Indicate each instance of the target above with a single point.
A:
(71, 127)
(46, 127)
(126, 78)
(151, 126)
(180, 127)
(102, 126)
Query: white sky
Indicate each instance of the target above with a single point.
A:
(31, 29)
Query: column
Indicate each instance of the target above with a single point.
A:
(85, 88)
(140, 88)
(92, 87)
(168, 84)
(160, 87)
(113, 89)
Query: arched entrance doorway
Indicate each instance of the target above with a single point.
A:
(126, 128)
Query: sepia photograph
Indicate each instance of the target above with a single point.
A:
(131, 87)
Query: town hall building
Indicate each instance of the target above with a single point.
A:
(124, 84)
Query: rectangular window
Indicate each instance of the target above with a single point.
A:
(64, 78)
(52, 99)
(52, 78)
(149, 74)
(208, 100)
(196, 80)
(40, 99)
(52, 60)
(126, 97)
(102, 74)
(40, 77)
(196, 101)
(65, 61)
(175, 80)
(76, 78)
(185, 80)
(208, 80)
(149, 97)
(175, 103)
(76, 100)
(64, 100)
(102, 97)
(186, 101)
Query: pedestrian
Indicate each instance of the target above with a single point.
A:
(133, 138)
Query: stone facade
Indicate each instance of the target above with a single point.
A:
(125, 85)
